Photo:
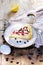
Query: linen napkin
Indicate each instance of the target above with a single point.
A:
(39, 28)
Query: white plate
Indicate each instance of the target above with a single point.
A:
(13, 42)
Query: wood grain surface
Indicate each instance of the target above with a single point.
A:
(22, 57)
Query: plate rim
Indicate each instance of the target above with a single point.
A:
(20, 46)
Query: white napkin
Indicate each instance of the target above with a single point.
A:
(39, 21)
(39, 26)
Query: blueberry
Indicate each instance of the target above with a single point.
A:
(20, 41)
(24, 42)
(17, 41)
(15, 38)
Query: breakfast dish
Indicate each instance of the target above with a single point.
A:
(23, 33)
(20, 35)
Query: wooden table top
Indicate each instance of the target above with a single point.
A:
(28, 56)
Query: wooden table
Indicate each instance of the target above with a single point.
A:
(26, 56)
(21, 56)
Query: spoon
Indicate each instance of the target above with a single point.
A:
(32, 12)
(5, 49)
